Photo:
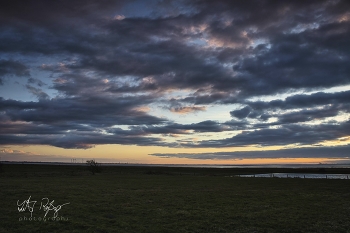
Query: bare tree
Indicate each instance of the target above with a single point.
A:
(93, 166)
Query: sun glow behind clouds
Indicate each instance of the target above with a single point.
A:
(134, 154)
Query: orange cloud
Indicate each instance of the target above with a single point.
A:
(186, 110)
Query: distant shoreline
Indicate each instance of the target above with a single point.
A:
(306, 165)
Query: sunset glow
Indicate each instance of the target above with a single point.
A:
(175, 82)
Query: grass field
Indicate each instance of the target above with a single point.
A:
(144, 199)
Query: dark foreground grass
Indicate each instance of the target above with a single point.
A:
(170, 200)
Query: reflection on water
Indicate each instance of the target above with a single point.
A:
(300, 175)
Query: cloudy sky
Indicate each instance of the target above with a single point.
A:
(185, 81)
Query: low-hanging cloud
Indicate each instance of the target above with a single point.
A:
(341, 152)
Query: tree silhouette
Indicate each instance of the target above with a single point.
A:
(93, 166)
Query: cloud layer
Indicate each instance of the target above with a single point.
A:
(100, 73)
(308, 152)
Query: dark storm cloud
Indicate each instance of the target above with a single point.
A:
(241, 113)
(12, 68)
(288, 65)
(296, 116)
(51, 27)
(307, 115)
(301, 108)
(74, 123)
(171, 64)
(203, 97)
(158, 46)
(105, 67)
(92, 111)
(79, 141)
(204, 126)
(303, 101)
(284, 135)
(63, 12)
(174, 128)
(8, 127)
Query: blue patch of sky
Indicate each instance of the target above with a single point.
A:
(261, 41)
(200, 42)
(302, 27)
(15, 87)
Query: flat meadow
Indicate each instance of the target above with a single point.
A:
(169, 199)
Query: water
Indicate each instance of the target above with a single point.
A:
(300, 175)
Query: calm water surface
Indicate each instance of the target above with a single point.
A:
(300, 175)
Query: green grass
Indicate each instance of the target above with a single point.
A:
(134, 199)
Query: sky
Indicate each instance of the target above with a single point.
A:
(175, 82)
